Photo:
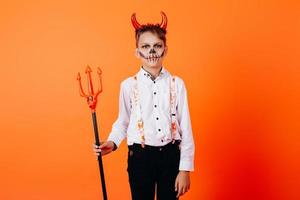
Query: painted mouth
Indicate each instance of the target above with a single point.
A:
(153, 58)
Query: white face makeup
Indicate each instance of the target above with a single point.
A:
(151, 50)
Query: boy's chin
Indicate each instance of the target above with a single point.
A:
(153, 65)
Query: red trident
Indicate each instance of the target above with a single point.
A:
(91, 96)
(92, 102)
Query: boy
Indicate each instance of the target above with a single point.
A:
(154, 115)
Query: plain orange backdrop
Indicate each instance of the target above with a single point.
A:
(240, 62)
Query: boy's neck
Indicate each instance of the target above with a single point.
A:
(153, 71)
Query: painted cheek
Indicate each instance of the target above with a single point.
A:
(142, 55)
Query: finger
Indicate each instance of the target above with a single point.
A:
(102, 153)
(176, 184)
(179, 191)
(188, 186)
(184, 190)
(178, 194)
(97, 156)
(97, 150)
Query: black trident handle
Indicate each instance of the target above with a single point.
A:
(97, 142)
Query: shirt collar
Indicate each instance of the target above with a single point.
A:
(146, 75)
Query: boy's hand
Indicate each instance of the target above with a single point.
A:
(182, 183)
(105, 148)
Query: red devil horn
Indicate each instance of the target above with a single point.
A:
(164, 20)
(134, 22)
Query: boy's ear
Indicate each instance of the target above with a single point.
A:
(136, 52)
(166, 50)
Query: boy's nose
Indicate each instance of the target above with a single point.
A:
(152, 51)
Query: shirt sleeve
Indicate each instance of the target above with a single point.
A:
(187, 141)
(119, 127)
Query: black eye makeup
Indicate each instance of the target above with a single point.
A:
(158, 46)
(145, 46)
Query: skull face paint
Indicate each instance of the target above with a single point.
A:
(151, 49)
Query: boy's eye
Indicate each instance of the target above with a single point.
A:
(145, 46)
(158, 46)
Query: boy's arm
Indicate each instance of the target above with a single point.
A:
(119, 128)
(187, 141)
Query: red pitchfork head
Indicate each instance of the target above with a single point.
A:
(91, 96)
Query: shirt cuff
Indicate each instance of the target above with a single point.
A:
(185, 165)
(115, 146)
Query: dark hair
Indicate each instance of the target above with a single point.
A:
(153, 28)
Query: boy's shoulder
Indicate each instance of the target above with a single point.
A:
(179, 83)
(127, 83)
(178, 80)
(128, 80)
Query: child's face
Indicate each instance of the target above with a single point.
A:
(151, 50)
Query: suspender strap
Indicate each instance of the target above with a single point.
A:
(173, 108)
(136, 101)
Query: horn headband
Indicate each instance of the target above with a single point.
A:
(162, 25)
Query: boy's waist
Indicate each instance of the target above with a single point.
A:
(154, 148)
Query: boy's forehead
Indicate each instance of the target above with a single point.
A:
(149, 37)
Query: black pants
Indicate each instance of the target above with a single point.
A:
(152, 167)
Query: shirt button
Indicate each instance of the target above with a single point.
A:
(162, 140)
(159, 130)
(154, 93)
(155, 106)
(154, 82)
(157, 118)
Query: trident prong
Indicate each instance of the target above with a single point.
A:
(89, 78)
(100, 88)
(81, 92)
(91, 96)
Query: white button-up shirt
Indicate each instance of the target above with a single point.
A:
(155, 110)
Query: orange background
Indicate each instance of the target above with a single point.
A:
(240, 62)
